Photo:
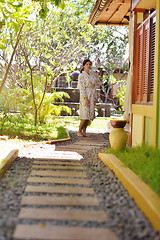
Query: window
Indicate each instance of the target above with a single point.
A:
(145, 60)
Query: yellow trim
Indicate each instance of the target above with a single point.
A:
(147, 111)
(7, 162)
(146, 199)
(156, 73)
(138, 130)
(148, 131)
(157, 77)
(143, 110)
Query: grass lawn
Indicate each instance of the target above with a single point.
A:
(98, 123)
(27, 131)
(54, 129)
(144, 161)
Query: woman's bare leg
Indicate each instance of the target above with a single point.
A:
(84, 129)
(81, 127)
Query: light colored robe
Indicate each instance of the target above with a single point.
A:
(87, 84)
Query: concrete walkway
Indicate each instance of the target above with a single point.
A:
(58, 194)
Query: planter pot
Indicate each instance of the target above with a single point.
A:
(118, 137)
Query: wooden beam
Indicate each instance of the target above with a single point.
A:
(122, 1)
(112, 24)
(139, 10)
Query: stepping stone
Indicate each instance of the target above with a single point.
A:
(59, 189)
(57, 162)
(59, 201)
(59, 174)
(62, 214)
(80, 151)
(26, 231)
(74, 157)
(91, 144)
(58, 180)
(58, 167)
(61, 155)
(75, 147)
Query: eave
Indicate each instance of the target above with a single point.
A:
(111, 12)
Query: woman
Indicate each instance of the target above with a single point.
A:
(87, 83)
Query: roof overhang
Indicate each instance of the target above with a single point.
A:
(111, 12)
(144, 4)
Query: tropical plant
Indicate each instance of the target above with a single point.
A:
(49, 108)
(121, 94)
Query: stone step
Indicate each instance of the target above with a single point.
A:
(62, 214)
(62, 155)
(89, 142)
(59, 174)
(72, 149)
(57, 162)
(59, 201)
(76, 147)
(26, 231)
(57, 167)
(58, 180)
(59, 189)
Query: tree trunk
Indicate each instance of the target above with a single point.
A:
(35, 116)
(10, 62)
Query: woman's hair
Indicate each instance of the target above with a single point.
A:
(84, 62)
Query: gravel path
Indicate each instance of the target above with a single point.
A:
(125, 218)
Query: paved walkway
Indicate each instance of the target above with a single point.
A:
(58, 195)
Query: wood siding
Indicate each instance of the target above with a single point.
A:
(144, 82)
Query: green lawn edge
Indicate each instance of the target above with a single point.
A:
(143, 161)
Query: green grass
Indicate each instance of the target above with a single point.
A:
(98, 123)
(144, 161)
(54, 129)
(25, 129)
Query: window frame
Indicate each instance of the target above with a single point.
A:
(145, 57)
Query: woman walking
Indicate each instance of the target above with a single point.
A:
(87, 83)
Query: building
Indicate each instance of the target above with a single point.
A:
(143, 19)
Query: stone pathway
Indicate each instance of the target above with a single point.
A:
(111, 200)
(58, 202)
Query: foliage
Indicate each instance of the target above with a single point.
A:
(23, 128)
(121, 94)
(14, 100)
(20, 101)
(61, 42)
(61, 133)
(54, 45)
(115, 73)
(44, 6)
(13, 14)
(144, 161)
(49, 108)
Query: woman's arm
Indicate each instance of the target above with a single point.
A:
(82, 85)
(87, 102)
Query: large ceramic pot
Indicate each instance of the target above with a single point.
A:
(118, 136)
